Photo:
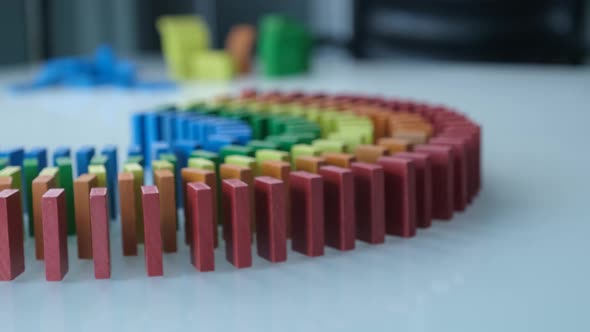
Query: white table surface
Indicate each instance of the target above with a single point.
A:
(516, 260)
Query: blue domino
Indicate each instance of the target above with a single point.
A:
(15, 156)
(60, 152)
(134, 150)
(83, 157)
(216, 142)
(152, 134)
(40, 154)
(160, 147)
(110, 151)
(168, 126)
(138, 130)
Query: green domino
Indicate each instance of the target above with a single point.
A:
(171, 158)
(134, 160)
(15, 173)
(101, 174)
(66, 181)
(259, 124)
(214, 157)
(285, 142)
(264, 155)
(99, 160)
(52, 171)
(201, 163)
(162, 164)
(30, 172)
(262, 145)
(3, 162)
(350, 140)
(299, 150)
(230, 150)
(325, 145)
(242, 161)
(305, 138)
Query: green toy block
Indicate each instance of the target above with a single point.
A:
(214, 157)
(259, 145)
(284, 46)
(303, 137)
(230, 150)
(212, 66)
(30, 172)
(99, 160)
(171, 158)
(324, 145)
(162, 164)
(52, 171)
(201, 163)
(264, 155)
(66, 181)
(183, 37)
(134, 160)
(285, 142)
(259, 125)
(350, 140)
(3, 162)
(101, 174)
(242, 161)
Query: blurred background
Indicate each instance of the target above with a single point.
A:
(539, 31)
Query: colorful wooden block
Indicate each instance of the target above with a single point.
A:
(5, 182)
(55, 242)
(460, 169)
(164, 180)
(237, 231)
(83, 157)
(339, 159)
(128, 210)
(309, 164)
(280, 170)
(244, 174)
(30, 172)
(324, 145)
(15, 156)
(369, 153)
(423, 167)
(442, 179)
(271, 226)
(201, 199)
(400, 196)
(243, 161)
(369, 190)
(12, 257)
(38, 153)
(41, 185)
(266, 154)
(394, 145)
(212, 65)
(339, 207)
(110, 151)
(190, 175)
(99, 222)
(101, 174)
(66, 181)
(201, 163)
(15, 173)
(150, 198)
(82, 187)
(51, 171)
(60, 152)
(307, 213)
(137, 172)
(239, 44)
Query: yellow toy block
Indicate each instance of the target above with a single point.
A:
(213, 65)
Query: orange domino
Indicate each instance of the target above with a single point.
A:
(164, 180)
(369, 153)
(41, 184)
(394, 145)
(339, 159)
(82, 186)
(5, 182)
(309, 164)
(128, 214)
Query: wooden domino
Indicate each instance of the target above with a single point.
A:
(164, 180)
(369, 153)
(12, 257)
(99, 222)
(423, 166)
(339, 159)
(339, 207)
(307, 213)
(128, 213)
(309, 164)
(201, 198)
(237, 231)
(41, 185)
(442, 179)
(190, 175)
(369, 192)
(55, 245)
(271, 227)
(82, 187)
(150, 198)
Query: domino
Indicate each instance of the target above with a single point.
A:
(55, 245)
(201, 200)
(307, 213)
(236, 225)
(423, 168)
(60, 152)
(207, 177)
(128, 211)
(271, 226)
(41, 185)
(339, 207)
(164, 181)
(110, 151)
(137, 172)
(66, 181)
(344, 160)
(442, 179)
(369, 153)
(82, 187)
(12, 257)
(460, 169)
(99, 221)
(150, 198)
(369, 190)
(309, 164)
(83, 157)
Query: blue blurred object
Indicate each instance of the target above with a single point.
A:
(102, 69)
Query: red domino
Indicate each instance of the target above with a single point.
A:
(12, 257)
(271, 215)
(442, 179)
(400, 196)
(236, 226)
(150, 198)
(200, 197)
(339, 212)
(369, 193)
(423, 168)
(307, 213)
(471, 134)
(55, 245)
(99, 224)
(460, 180)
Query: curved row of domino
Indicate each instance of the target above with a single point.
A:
(317, 169)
